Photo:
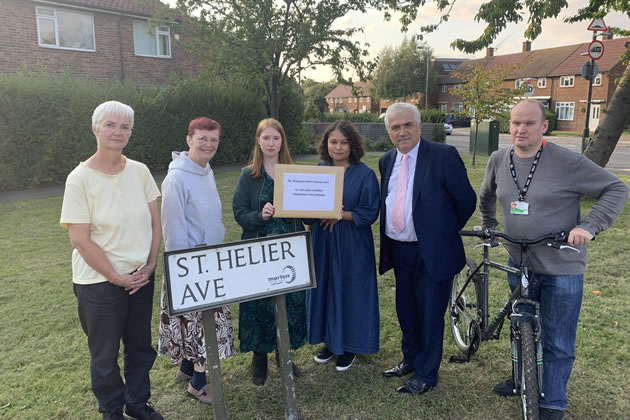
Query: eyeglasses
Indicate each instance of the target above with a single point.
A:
(207, 140)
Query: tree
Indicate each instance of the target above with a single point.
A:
(483, 95)
(401, 72)
(271, 39)
(315, 95)
(499, 13)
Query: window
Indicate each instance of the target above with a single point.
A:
(597, 81)
(444, 89)
(564, 110)
(66, 30)
(517, 83)
(542, 83)
(362, 98)
(458, 107)
(444, 107)
(567, 81)
(154, 42)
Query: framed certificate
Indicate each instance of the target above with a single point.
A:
(307, 191)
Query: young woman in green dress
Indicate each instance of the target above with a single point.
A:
(253, 210)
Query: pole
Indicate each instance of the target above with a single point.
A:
(587, 121)
(286, 366)
(212, 351)
(426, 84)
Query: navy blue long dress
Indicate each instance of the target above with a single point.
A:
(343, 310)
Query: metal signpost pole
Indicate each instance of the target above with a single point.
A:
(286, 367)
(214, 365)
(586, 132)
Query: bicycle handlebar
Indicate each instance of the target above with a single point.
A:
(489, 234)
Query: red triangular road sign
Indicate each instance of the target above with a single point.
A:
(597, 24)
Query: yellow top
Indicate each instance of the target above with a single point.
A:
(116, 207)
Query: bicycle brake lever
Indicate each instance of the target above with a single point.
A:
(569, 247)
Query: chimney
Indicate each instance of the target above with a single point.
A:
(609, 35)
(489, 52)
(527, 46)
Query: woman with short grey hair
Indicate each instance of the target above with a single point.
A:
(110, 211)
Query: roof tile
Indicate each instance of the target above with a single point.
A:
(139, 7)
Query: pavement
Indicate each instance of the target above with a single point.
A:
(618, 163)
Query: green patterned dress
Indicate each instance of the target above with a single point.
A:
(256, 326)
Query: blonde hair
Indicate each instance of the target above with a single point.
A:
(284, 157)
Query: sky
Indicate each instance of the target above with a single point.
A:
(380, 34)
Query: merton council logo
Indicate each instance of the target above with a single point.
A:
(288, 276)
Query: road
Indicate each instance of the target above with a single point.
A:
(619, 161)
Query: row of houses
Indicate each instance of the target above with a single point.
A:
(113, 40)
(97, 39)
(554, 73)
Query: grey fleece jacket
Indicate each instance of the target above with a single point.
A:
(561, 178)
(191, 208)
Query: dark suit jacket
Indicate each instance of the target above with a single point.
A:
(443, 201)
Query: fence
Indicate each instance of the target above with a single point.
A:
(369, 131)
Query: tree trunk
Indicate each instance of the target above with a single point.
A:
(614, 120)
(273, 97)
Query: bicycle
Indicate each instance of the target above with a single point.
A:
(469, 315)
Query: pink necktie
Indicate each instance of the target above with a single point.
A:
(398, 211)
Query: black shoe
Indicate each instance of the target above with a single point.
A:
(259, 368)
(345, 361)
(505, 388)
(144, 413)
(324, 356)
(550, 414)
(113, 415)
(401, 369)
(414, 387)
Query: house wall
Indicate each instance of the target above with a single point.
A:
(20, 51)
(353, 105)
(577, 93)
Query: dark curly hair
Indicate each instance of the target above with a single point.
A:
(351, 134)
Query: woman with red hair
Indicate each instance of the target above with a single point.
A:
(191, 216)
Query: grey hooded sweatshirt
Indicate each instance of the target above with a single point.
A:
(191, 207)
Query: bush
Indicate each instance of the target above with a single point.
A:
(439, 135)
(381, 145)
(551, 117)
(45, 124)
(432, 116)
(363, 117)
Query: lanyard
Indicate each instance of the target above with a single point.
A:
(522, 193)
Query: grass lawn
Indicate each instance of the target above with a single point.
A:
(44, 366)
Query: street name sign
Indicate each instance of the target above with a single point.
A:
(206, 277)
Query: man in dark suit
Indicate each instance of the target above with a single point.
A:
(426, 198)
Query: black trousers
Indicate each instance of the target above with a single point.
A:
(421, 302)
(108, 314)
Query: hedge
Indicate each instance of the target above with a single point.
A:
(45, 124)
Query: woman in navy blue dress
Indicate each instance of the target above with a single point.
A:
(343, 310)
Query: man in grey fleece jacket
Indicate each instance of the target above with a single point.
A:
(539, 186)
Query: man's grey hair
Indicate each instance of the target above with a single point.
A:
(540, 106)
(399, 108)
(112, 107)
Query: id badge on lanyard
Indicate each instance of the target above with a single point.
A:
(519, 207)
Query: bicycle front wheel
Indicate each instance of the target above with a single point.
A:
(529, 372)
(464, 314)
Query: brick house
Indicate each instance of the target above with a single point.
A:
(341, 99)
(442, 97)
(555, 75)
(95, 39)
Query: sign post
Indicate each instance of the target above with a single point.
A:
(204, 278)
(595, 52)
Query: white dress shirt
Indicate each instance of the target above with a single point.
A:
(408, 234)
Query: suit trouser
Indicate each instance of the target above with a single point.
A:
(421, 302)
(108, 314)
